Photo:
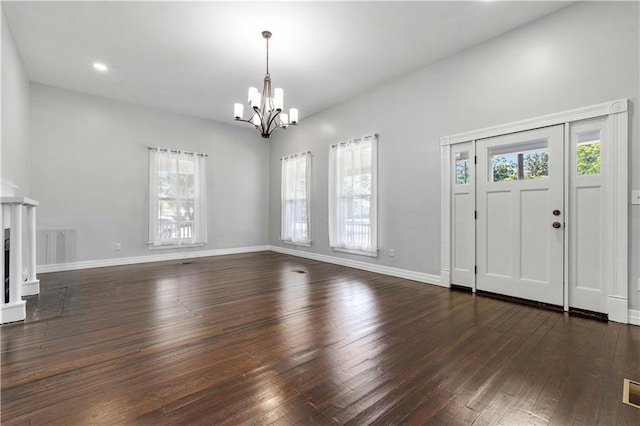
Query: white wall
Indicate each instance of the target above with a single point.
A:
(15, 115)
(90, 173)
(581, 55)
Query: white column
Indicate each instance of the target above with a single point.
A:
(15, 309)
(32, 285)
(15, 254)
(3, 217)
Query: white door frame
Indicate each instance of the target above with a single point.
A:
(616, 112)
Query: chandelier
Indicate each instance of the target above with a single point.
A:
(266, 106)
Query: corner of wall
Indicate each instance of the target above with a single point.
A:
(14, 121)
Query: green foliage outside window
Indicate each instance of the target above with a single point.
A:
(588, 158)
(504, 170)
(533, 165)
(536, 165)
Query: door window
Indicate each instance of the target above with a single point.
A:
(522, 161)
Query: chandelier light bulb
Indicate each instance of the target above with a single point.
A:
(256, 100)
(293, 115)
(278, 98)
(252, 91)
(237, 111)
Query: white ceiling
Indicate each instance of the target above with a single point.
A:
(198, 58)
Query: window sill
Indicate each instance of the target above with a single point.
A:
(358, 252)
(173, 246)
(291, 243)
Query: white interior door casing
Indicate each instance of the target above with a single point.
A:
(520, 253)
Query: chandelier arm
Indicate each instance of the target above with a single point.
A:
(275, 128)
(247, 121)
(272, 119)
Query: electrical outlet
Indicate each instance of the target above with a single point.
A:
(392, 252)
(117, 246)
(635, 196)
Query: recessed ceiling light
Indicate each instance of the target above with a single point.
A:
(100, 67)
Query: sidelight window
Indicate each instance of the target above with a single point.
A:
(462, 168)
(588, 153)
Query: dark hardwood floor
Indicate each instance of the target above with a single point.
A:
(248, 339)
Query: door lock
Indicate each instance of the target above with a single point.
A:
(556, 225)
(556, 212)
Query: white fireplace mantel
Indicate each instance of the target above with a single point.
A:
(19, 200)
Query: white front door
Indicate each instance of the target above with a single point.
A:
(520, 225)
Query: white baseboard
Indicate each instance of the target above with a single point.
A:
(618, 309)
(445, 278)
(86, 264)
(634, 317)
(12, 312)
(371, 267)
(30, 288)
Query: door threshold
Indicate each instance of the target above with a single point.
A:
(589, 314)
(521, 301)
(582, 313)
(457, 287)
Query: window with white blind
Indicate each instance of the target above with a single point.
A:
(353, 196)
(295, 195)
(177, 198)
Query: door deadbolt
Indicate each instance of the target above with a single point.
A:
(556, 225)
(556, 212)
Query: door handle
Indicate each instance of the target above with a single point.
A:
(556, 225)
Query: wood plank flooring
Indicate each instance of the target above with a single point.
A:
(245, 339)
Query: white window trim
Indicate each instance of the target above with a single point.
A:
(173, 246)
(305, 243)
(200, 204)
(291, 243)
(358, 252)
(373, 199)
